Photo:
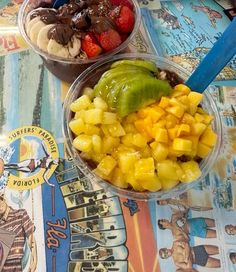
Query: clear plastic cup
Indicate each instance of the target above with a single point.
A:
(89, 78)
(69, 69)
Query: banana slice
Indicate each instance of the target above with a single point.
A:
(43, 40)
(74, 47)
(57, 49)
(34, 31)
(30, 24)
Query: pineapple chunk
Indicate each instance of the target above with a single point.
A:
(83, 143)
(93, 116)
(191, 171)
(159, 151)
(188, 119)
(172, 132)
(126, 160)
(171, 121)
(144, 168)
(130, 179)
(131, 118)
(203, 150)
(82, 103)
(168, 184)
(91, 129)
(116, 129)
(198, 128)
(180, 144)
(161, 135)
(146, 152)
(99, 103)
(177, 111)
(110, 143)
(97, 143)
(183, 89)
(129, 128)
(199, 117)
(164, 102)
(89, 92)
(80, 114)
(208, 137)
(118, 179)
(184, 129)
(152, 184)
(169, 169)
(109, 118)
(139, 140)
(106, 165)
(194, 98)
(77, 126)
(127, 140)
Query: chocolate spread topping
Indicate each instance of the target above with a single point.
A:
(61, 33)
(48, 16)
(101, 24)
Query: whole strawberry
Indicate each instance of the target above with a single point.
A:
(124, 19)
(90, 46)
(110, 39)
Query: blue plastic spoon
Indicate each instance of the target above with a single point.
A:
(58, 3)
(215, 60)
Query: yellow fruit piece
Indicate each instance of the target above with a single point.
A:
(91, 129)
(171, 121)
(99, 103)
(144, 168)
(126, 161)
(82, 103)
(143, 112)
(80, 114)
(129, 128)
(164, 102)
(180, 144)
(159, 124)
(89, 92)
(152, 184)
(182, 88)
(194, 98)
(118, 179)
(159, 151)
(191, 171)
(130, 179)
(203, 150)
(145, 152)
(177, 111)
(97, 157)
(139, 140)
(168, 184)
(116, 129)
(183, 129)
(198, 128)
(127, 140)
(109, 118)
(109, 144)
(83, 143)
(208, 137)
(77, 126)
(173, 154)
(161, 135)
(183, 99)
(169, 169)
(199, 117)
(93, 116)
(106, 165)
(172, 132)
(188, 119)
(97, 143)
(156, 113)
(194, 140)
(131, 118)
(207, 119)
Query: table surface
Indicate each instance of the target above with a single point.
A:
(77, 225)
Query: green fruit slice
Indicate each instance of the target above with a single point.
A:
(112, 76)
(151, 66)
(140, 93)
(121, 84)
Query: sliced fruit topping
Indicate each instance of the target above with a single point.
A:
(127, 3)
(110, 39)
(90, 46)
(140, 63)
(124, 18)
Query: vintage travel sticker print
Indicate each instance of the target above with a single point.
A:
(28, 159)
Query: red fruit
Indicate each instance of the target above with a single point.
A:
(125, 20)
(110, 39)
(90, 46)
(127, 3)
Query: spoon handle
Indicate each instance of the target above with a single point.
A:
(215, 60)
(58, 3)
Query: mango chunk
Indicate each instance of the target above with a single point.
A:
(106, 165)
(191, 171)
(180, 144)
(203, 150)
(208, 137)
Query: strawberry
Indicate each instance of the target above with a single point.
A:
(124, 19)
(127, 3)
(90, 46)
(110, 39)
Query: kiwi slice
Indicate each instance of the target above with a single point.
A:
(151, 66)
(139, 93)
(112, 76)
